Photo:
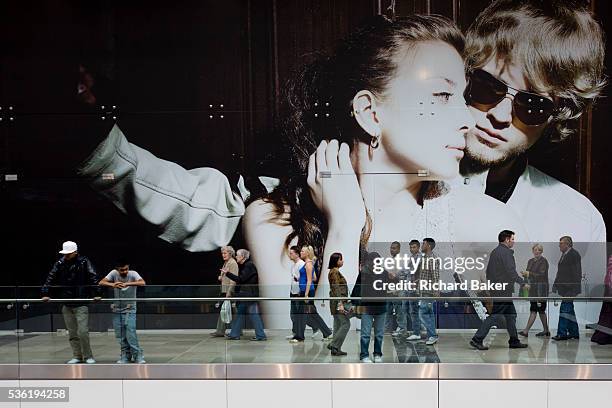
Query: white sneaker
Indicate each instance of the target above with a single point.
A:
(289, 337)
(397, 332)
(122, 361)
(431, 341)
(414, 337)
(141, 360)
(366, 360)
(315, 335)
(378, 359)
(73, 361)
(90, 360)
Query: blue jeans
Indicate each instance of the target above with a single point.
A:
(568, 324)
(124, 324)
(390, 318)
(428, 317)
(397, 312)
(412, 306)
(401, 314)
(367, 321)
(252, 309)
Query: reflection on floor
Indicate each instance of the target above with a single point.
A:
(196, 346)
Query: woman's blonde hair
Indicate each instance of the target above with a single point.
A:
(558, 43)
(310, 251)
(538, 246)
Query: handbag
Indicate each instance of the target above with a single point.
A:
(226, 312)
(350, 311)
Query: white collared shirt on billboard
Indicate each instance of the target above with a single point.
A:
(549, 208)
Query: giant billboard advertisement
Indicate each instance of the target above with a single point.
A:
(166, 133)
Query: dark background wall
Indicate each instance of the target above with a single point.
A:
(163, 65)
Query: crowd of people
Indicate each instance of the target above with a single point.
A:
(417, 314)
(413, 312)
(373, 313)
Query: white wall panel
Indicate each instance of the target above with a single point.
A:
(492, 393)
(572, 394)
(174, 393)
(388, 393)
(279, 393)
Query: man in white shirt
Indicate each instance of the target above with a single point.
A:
(294, 255)
(515, 103)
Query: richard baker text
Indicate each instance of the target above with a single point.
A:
(405, 285)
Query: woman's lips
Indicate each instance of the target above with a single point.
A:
(457, 150)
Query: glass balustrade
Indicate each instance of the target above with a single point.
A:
(183, 325)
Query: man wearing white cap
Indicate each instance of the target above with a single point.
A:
(75, 277)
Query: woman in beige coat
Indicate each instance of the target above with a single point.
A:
(227, 285)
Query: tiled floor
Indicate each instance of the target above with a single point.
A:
(196, 346)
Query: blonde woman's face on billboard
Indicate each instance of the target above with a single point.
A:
(423, 116)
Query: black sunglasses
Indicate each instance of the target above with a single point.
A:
(530, 108)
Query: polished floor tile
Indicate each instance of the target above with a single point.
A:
(196, 346)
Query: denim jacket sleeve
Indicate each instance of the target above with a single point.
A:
(196, 208)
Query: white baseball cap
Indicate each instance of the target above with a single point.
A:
(68, 247)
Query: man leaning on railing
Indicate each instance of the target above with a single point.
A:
(124, 282)
(76, 277)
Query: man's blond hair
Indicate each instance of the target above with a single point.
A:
(559, 45)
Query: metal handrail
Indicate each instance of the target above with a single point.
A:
(286, 298)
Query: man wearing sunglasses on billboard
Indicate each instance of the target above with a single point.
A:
(535, 66)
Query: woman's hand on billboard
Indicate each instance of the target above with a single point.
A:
(334, 186)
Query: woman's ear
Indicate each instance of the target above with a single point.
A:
(364, 110)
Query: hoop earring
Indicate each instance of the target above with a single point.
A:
(375, 141)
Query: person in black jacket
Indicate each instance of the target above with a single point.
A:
(373, 311)
(75, 278)
(501, 269)
(568, 283)
(247, 285)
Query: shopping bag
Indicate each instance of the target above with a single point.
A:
(226, 312)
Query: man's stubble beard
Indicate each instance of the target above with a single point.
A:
(478, 162)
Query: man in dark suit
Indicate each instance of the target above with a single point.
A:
(568, 284)
(501, 269)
